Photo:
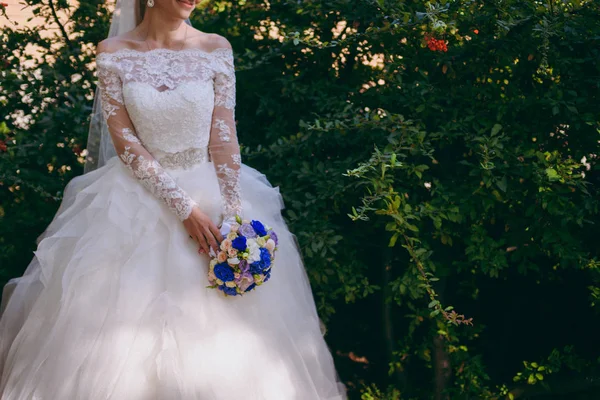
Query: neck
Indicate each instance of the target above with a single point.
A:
(161, 30)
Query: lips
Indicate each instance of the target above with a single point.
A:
(186, 3)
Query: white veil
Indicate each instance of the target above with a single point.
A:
(126, 16)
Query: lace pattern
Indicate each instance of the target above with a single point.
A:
(173, 109)
(224, 147)
(132, 152)
(152, 176)
(171, 120)
(223, 130)
(129, 136)
(111, 84)
(230, 190)
(166, 68)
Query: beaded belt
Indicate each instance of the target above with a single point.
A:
(183, 159)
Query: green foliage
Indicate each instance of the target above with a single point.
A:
(491, 173)
(374, 393)
(430, 188)
(46, 88)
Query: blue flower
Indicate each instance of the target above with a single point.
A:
(259, 266)
(228, 290)
(256, 268)
(249, 288)
(239, 243)
(258, 227)
(265, 258)
(224, 272)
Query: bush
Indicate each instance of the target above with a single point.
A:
(438, 161)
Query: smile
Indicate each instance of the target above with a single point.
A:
(187, 3)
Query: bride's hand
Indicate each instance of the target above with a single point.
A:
(203, 230)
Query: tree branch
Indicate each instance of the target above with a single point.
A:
(60, 25)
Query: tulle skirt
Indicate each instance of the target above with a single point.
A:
(114, 304)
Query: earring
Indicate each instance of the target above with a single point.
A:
(150, 3)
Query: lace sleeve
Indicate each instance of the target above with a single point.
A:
(128, 146)
(223, 145)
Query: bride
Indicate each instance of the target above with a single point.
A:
(114, 305)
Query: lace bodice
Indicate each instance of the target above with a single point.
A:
(169, 109)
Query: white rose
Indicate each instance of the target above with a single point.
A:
(261, 241)
(253, 251)
(233, 261)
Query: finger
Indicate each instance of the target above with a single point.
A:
(215, 231)
(203, 243)
(194, 237)
(211, 239)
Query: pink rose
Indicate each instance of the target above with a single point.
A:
(243, 285)
(270, 245)
(211, 276)
(226, 244)
(222, 256)
(232, 252)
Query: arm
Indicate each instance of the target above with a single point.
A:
(223, 144)
(130, 150)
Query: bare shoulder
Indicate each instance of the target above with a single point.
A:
(125, 40)
(219, 41)
(112, 44)
(209, 41)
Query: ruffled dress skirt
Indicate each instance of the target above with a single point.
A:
(114, 304)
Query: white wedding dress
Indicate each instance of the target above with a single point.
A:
(114, 304)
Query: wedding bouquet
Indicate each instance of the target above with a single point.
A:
(245, 258)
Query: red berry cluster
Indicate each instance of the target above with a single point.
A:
(436, 44)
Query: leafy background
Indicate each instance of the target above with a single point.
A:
(445, 196)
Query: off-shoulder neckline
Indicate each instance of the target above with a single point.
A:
(126, 50)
